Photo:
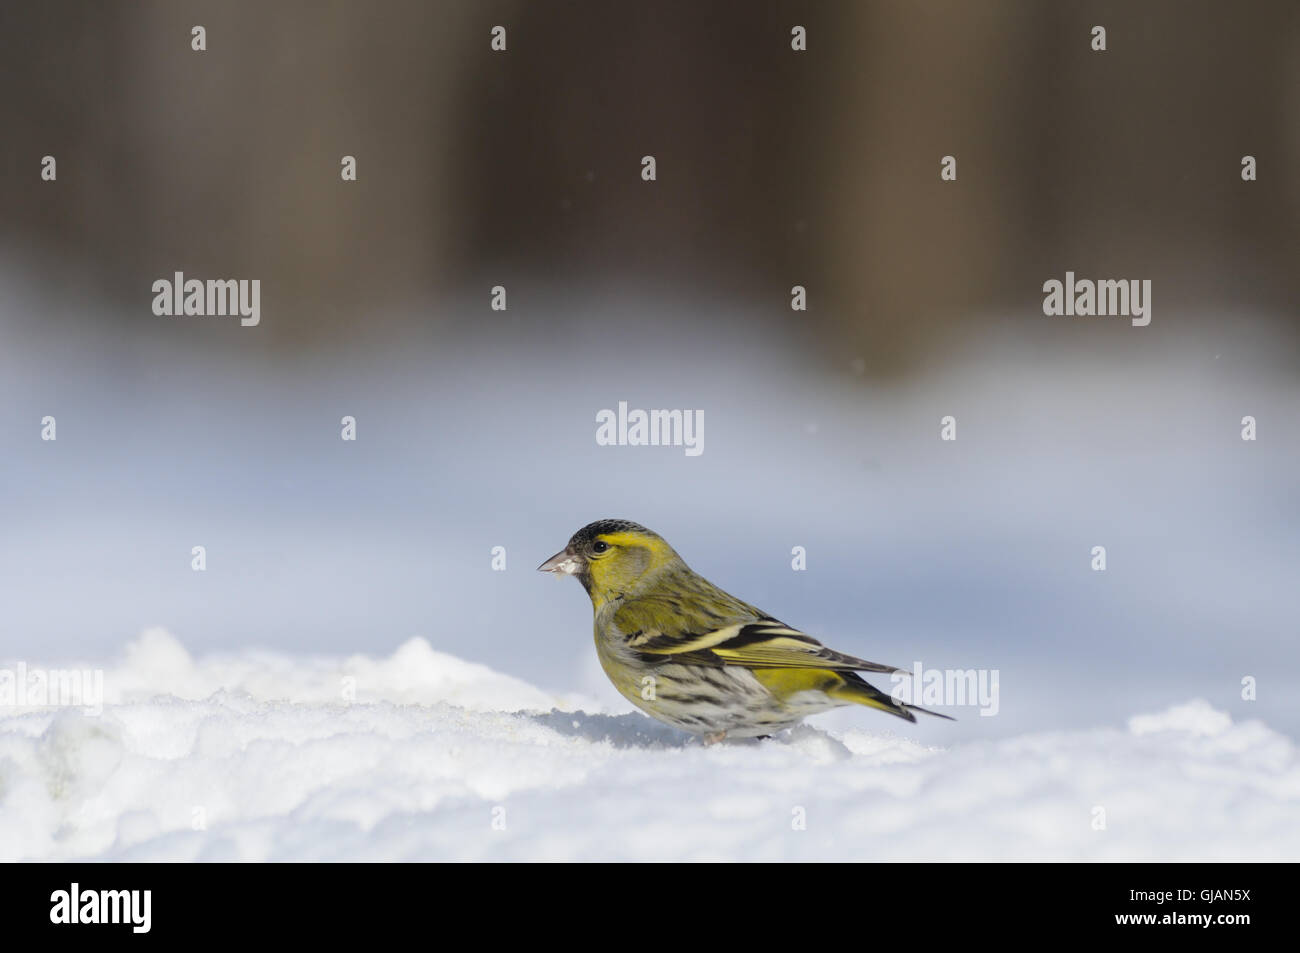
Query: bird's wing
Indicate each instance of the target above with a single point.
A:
(765, 643)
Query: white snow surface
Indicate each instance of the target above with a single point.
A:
(422, 756)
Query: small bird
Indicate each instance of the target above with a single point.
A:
(697, 658)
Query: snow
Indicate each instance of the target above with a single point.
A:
(422, 756)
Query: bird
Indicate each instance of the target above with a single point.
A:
(698, 658)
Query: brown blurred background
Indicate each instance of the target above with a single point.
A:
(775, 168)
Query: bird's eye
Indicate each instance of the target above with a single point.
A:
(599, 546)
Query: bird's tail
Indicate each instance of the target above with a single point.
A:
(857, 690)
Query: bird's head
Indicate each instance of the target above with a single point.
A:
(612, 558)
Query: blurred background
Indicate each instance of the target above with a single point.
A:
(775, 168)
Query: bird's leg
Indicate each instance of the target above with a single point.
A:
(714, 737)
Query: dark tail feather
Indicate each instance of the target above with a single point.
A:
(856, 689)
(926, 711)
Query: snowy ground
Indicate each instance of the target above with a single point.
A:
(420, 755)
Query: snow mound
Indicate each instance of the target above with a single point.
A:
(414, 674)
(261, 756)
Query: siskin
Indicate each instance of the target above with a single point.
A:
(689, 654)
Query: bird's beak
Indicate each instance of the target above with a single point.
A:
(563, 563)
